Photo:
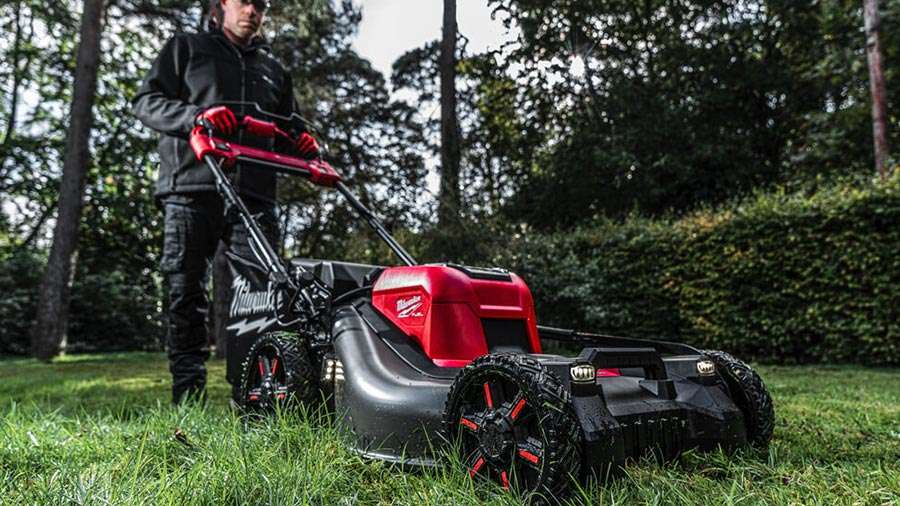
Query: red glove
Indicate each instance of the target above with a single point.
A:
(307, 146)
(222, 119)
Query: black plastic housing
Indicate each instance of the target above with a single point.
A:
(391, 398)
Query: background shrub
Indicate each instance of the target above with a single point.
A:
(779, 277)
(114, 311)
(111, 310)
(20, 275)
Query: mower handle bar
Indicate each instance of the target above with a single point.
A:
(242, 109)
(208, 148)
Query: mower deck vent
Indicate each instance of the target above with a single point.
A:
(505, 335)
(658, 435)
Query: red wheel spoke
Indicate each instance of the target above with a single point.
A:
(262, 367)
(469, 424)
(504, 479)
(530, 457)
(488, 398)
(477, 466)
(530, 452)
(274, 365)
(517, 409)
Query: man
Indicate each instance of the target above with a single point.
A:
(230, 62)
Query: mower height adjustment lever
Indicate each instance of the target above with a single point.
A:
(309, 297)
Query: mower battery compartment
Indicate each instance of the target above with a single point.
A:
(455, 313)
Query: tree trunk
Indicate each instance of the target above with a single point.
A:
(17, 75)
(49, 329)
(877, 85)
(449, 199)
(20, 78)
(221, 291)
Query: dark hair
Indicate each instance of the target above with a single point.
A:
(214, 19)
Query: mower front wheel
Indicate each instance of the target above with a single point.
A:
(277, 371)
(513, 423)
(750, 394)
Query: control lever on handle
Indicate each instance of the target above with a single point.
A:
(262, 128)
(205, 124)
(257, 127)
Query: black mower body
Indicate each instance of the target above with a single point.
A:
(393, 401)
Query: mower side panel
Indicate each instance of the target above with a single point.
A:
(392, 411)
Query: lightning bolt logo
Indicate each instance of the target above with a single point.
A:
(243, 326)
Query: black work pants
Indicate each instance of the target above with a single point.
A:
(194, 225)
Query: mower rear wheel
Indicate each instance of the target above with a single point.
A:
(750, 394)
(276, 372)
(513, 422)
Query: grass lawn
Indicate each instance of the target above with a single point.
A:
(97, 429)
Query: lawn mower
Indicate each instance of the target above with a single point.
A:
(416, 361)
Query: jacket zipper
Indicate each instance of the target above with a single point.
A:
(237, 172)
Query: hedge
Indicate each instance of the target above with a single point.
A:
(789, 278)
(781, 277)
(20, 275)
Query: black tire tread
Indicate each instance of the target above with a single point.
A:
(300, 375)
(750, 394)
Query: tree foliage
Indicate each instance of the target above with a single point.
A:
(598, 110)
(117, 291)
(373, 141)
(661, 105)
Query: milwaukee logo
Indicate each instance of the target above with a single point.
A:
(245, 302)
(405, 303)
(407, 307)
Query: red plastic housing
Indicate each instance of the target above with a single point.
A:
(442, 308)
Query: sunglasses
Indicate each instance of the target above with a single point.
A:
(261, 5)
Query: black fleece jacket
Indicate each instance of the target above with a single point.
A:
(193, 72)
